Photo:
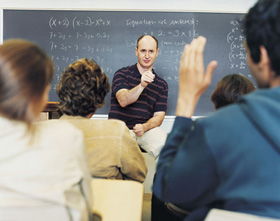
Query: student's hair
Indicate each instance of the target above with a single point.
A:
(145, 36)
(25, 72)
(230, 88)
(262, 28)
(82, 88)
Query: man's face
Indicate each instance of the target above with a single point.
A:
(146, 52)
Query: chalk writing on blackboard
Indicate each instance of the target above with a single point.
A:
(109, 37)
(235, 39)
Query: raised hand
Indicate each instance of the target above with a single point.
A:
(193, 81)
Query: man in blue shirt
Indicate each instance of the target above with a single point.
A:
(231, 159)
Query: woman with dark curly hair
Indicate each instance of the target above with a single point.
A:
(112, 153)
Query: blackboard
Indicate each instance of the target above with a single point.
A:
(109, 37)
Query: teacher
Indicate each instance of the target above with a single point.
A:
(139, 97)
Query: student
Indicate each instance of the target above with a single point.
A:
(112, 153)
(231, 159)
(230, 88)
(139, 97)
(42, 166)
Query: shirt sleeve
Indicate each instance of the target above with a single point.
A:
(119, 82)
(185, 171)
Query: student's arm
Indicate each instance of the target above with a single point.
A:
(186, 167)
(192, 80)
(133, 165)
(155, 121)
(126, 97)
(186, 173)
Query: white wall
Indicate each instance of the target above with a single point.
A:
(197, 5)
(165, 5)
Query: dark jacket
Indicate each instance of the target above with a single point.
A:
(229, 160)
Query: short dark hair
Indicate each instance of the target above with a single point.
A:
(25, 72)
(262, 28)
(82, 88)
(145, 36)
(230, 88)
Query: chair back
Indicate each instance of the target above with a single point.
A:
(221, 215)
(117, 199)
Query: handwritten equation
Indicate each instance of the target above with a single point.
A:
(76, 22)
(98, 38)
(134, 23)
(77, 37)
(237, 55)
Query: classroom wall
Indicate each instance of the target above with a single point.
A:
(165, 5)
(197, 5)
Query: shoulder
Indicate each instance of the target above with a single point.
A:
(98, 127)
(97, 122)
(55, 125)
(228, 119)
(224, 113)
(124, 70)
(116, 123)
(113, 127)
(160, 81)
(261, 96)
(59, 130)
(112, 124)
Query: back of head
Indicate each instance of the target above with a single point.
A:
(262, 28)
(25, 73)
(230, 88)
(82, 88)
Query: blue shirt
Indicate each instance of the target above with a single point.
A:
(229, 160)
